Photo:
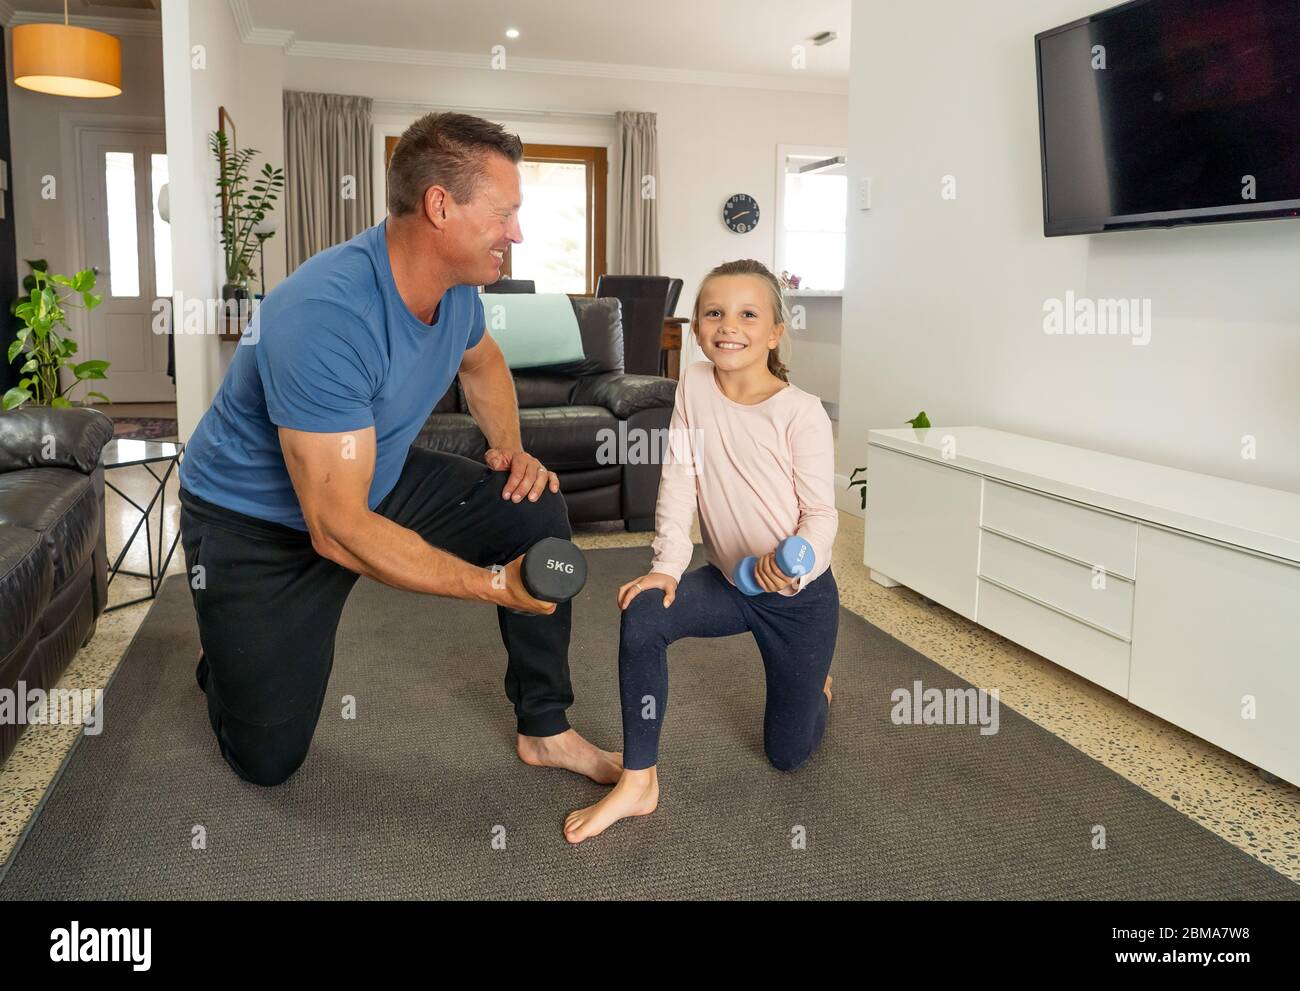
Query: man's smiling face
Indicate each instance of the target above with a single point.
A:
(477, 233)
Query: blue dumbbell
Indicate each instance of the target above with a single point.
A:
(794, 556)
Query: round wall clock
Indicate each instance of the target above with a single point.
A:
(740, 213)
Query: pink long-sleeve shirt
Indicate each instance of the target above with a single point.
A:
(758, 474)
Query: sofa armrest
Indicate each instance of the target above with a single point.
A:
(78, 437)
(624, 395)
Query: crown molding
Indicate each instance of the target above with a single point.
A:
(243, 18)
(559, 67)
(250, 34)
(405, 108)
(109, 25)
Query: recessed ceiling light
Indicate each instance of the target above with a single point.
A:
(512, 32)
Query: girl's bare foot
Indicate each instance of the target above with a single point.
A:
(636, 794)
(571, 752)
(827, 689)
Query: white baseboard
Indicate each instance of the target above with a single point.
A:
(846, 499)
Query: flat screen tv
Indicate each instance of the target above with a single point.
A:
(1159, 113)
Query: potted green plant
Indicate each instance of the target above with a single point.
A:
(246, 201)
(918, 422)
(48, 350)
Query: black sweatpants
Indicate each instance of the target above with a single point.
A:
(268, 607)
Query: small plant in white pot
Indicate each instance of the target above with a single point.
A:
(918, 422)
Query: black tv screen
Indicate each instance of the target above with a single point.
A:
(1166, 112)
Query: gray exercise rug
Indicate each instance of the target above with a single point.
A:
(421, 795)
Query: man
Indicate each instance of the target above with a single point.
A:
(301, 475)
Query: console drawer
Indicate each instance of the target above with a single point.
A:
(1097, 656)
(1064, 584)
(1084, 534)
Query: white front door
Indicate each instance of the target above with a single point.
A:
(125, 239)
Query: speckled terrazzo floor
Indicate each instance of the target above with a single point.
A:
(1216, 789)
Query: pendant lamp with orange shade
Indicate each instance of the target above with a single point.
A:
(66, 60)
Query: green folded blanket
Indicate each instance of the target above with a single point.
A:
(533, 329)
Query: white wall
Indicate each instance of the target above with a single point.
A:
(259, 120)
(43, 146)
(944, 303)
(193, 96)
(713, 141)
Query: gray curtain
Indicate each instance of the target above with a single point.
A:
(637, 252)
(327, 154)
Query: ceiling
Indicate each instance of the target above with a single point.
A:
(716, 36)
(134, 9)
(746, 41)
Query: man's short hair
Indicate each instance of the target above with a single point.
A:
(448, 150)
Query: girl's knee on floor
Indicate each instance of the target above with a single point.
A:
(786, 760)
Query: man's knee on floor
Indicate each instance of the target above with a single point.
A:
(265, 768)
(259, 755)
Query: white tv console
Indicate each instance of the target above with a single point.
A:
(1178, 591)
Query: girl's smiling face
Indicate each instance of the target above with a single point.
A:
(737, 326)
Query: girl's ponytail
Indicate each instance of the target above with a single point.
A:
(775, 365)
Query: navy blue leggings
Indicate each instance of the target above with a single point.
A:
(795, 635)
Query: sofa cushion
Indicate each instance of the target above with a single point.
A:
(565, 437)
(43, 436)
(60, 505)
(581, 479)
(534, 330)
(601, 323)
(535, 390)
(454, 433)
(26, 583)
(626, 395)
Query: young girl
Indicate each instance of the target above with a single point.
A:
(759, 464)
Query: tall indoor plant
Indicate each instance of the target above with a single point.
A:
(47, 349)
(246, 201)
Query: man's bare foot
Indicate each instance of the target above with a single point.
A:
(571, 752)
(636, 794)
(827, 689)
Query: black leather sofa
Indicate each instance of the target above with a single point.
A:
(53, 562)
(563, 410)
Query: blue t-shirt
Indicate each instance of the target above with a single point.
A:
(335, 350)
